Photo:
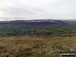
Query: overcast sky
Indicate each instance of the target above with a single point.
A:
(37, 9)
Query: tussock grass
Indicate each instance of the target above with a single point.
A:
(34, 46)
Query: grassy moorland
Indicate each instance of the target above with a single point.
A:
(36, 39)
(35, 46)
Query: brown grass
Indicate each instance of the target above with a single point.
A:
(33, 46)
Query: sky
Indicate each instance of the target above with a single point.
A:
(37, 9)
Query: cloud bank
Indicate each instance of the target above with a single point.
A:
(37, 9)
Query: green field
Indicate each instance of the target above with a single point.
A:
(37, 29)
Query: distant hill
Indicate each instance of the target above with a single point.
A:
(45, 21)
(35, 22)
(70, 22)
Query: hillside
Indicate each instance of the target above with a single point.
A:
(34, 46)
(70, 22)
(27, 27)
(36, 38)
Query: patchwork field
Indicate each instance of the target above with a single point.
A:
(33, 46)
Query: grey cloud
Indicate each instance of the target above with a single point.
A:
(57, 9)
